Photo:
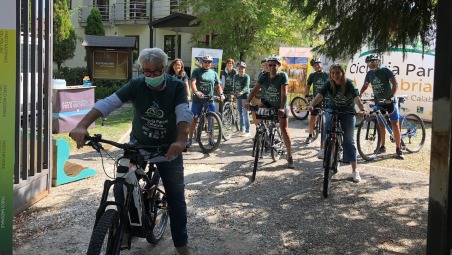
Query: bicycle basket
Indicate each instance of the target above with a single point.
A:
(266, 114)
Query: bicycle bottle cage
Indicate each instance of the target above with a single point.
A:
(266, 113)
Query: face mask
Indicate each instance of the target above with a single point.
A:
(154, 81)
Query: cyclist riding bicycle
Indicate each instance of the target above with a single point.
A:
(203, 82)
(384, 87)
(343, 95)
(159, 91)
(318, 78)
(274, 85)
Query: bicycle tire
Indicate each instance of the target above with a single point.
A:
(278, 147)
(258, 149)
(328, 166)
(228, 121)
(107, 229)
(209, 133)
(158, 212)
(412, 132)
(298, 107)
(368, 138)
(318, 126)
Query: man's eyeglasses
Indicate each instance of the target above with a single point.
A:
(271, 65)
(148, 73)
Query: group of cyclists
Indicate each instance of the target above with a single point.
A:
(169, 91)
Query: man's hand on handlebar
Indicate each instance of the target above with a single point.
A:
(78, 135)
(199, 94)
(175, 150)
(246, 105)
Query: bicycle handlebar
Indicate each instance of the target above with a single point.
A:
(96, 140)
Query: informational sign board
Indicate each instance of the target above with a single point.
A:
(198, 53)
(111, 65)
(7, 118)
(414, 73)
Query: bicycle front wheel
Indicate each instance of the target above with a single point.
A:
(228, 120)
(328, 165)
(368, 139)
(299, 108)
(258, 143)
(412, 132)
(106, 236)
(318, 126)
(278, 147)
(158, 211)
(209, 132)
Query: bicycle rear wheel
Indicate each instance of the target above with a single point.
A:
(298, 107)
(209, 132)
(328, 165)
(412, 132)
(158, 211)
(258, 141)
(368, 139)
(106, 236)
(278, 147)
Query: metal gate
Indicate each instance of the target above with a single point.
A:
(33, 148)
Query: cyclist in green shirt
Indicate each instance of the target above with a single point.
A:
(241, 91)
(384, 86)
(317, 79)
(274, 85)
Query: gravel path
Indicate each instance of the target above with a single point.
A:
(282, 212)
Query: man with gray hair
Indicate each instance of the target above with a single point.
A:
(155, 92)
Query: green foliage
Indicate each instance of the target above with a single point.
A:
(73, 76)
(250, 28)
(348, 25)
(64, 37)
(105, 88)
(94, 25)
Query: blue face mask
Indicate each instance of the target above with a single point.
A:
(154, 82)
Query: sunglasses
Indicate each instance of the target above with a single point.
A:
(208, 62)
(271, 65)
(373, 62)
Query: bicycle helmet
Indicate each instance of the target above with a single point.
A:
(207, 58)
(315, 60)
(263, 61)
(274, 58)
(372, 57)
(241, 63)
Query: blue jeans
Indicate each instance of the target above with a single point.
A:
(244, 116)
(172, 174)
(348, 127)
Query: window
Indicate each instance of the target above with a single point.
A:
(170, 46)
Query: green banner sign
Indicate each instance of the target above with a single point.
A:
(7, 118)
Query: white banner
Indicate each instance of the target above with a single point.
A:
(414, 74)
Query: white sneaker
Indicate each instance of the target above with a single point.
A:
(321, 154)
(246, 134)
(355, 176)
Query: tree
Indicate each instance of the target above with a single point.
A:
(380, 24)
(248, 28)
(94, 25)
(64, 38)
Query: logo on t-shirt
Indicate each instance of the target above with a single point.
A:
(154, 111)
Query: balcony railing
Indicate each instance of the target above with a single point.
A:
(133, 12)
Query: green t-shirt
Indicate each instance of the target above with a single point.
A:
(271, 88)
(318, 79)
(154, 112)
(340, 102)
(229, 80)
(205, 82)
(379, 79)
(242, 85)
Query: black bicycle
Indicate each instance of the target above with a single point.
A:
(412, 130)
(209, 129)
(333, 150)
(268, 136)
(139, 208)
(230, 117)
(318, 127)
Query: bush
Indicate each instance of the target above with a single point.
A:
(105, 88)
(73, 76)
